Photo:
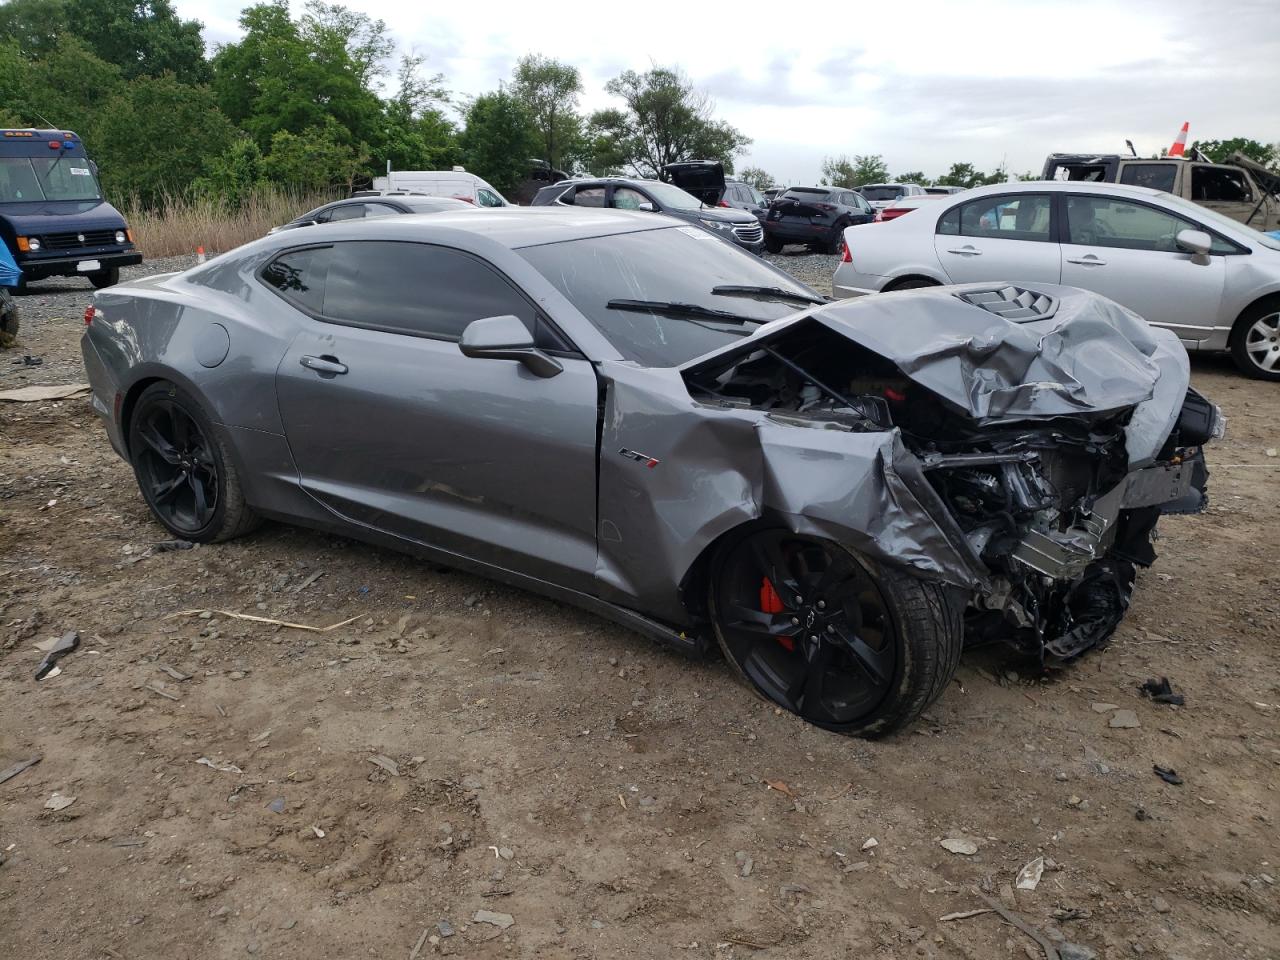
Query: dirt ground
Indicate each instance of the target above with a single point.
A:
(612, 799)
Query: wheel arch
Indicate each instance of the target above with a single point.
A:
(897, 282)
(1267, 300)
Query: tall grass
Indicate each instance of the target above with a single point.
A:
(178, 224)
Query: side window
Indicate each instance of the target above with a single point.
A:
(487, 198)
(589, 197)
(949, 223)
(1019, 216)
(1221, 184)
(299, 276)
(1155, 176)
(372, 210)
(417, 288)
(1107, 222)
(348, 211)
(624, 198)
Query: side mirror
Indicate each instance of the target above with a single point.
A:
(645, 205)
(1196, 243)
(506, 338)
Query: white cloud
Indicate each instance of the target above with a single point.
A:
(983, 82)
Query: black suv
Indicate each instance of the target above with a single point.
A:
(624, 193)
(814, 216)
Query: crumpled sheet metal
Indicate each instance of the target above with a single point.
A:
(720, 468)
(1091, 356)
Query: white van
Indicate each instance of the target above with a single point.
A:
(456, 183)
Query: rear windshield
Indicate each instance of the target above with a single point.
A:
(677, 264)
(47, 178)
(1157, 176)
(876, 194)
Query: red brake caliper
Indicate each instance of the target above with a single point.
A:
(770, 602)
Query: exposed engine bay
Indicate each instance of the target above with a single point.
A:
(1050, 505)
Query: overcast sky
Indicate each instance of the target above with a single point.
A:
(925, 85)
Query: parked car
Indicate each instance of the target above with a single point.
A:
(743, 196)
(1241, 189)
(906, 205)
(814, 216)
(1210, 279)
(880, 195)
(620, 413)
(654, 196)
(53, 218)
(772, 193)
(456, 183)
(367, 207)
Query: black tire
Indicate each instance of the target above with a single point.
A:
(8, 319)
(836, 241)
(105, 278)
(876, 675)
(773, 244)
(916, 284)
(184, 470)
(1255, 341)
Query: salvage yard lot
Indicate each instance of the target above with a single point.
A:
(612, 798)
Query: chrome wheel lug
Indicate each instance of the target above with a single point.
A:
(822, 605)
(795, 621)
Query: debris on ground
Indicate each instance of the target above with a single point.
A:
(745, 863)
(781, 787)
(500, 920)
(1029, 876)
(37, 393)
(964, 914)
(1167, 774)
(445, 929)
(205, 615)
(58, 802)
(157, 688)
(223, 767)
(1061, 951)
(1161, 691)
(55, 651)
(386, 763)
(871, 843)
(1124, 720)
(276, 805)
(966, 848)
(173, 672)
(10, 772)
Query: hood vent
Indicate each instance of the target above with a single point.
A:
(1012, 303)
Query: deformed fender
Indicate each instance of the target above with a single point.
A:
(718, 468)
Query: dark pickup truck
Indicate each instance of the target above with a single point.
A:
(52, 216)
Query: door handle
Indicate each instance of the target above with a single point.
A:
(1089, 261)
(329, 365)
(967, 252)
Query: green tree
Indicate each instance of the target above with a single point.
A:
(235, 173)
(416, 134)
(665, 119)
(757, 177)
(1220, 151)
(842, 171)
(549, 91)
(967, 175)
(34, 25)
(913, 176)
(313, 159)
(135, 144)
(68, 88)
(498, 139)
(144, 38)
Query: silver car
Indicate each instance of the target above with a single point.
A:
(1211, 280)
(627, 413)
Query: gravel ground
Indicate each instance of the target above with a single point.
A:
(474, 771)
(815, 269)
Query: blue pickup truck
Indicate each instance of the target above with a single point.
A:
(53, 219)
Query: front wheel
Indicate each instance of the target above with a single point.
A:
(849, 645)
(1255, 342)
(184, 470)
(773, 245)
(105, 278)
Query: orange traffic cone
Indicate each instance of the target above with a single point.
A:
(1179, 148)
(199, 254)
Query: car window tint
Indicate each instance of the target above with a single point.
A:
(1154, 176)
(1107, 222)
(299, 276)
(372, 210)
(589, 197)
(487, 198)
(416, 288)
(949, 222)
(1020, 216)
(1221, 184)
(624, 198)
(347, 211)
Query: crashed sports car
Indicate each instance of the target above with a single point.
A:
(629, 414)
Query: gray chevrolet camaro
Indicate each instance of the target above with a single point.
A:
(629, 414)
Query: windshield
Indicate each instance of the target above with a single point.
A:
(47, 178)
(671, 197)
(673, 265)
(1221, 221)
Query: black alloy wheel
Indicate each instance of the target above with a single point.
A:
(807, 625)
(176, 465)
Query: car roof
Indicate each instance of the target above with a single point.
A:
(512, 227)
(1054, 186)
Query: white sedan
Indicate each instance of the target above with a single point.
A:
(1211, 280)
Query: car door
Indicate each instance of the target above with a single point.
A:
(392, 428)
(999, 237)
(1126, 250)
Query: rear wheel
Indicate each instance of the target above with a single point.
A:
(8, 319)
(823, 633)
(835, 244)
(185, 472)
(1255, 341)
(105, 278)
(773, 245)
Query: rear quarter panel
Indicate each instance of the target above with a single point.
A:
(894, 249)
